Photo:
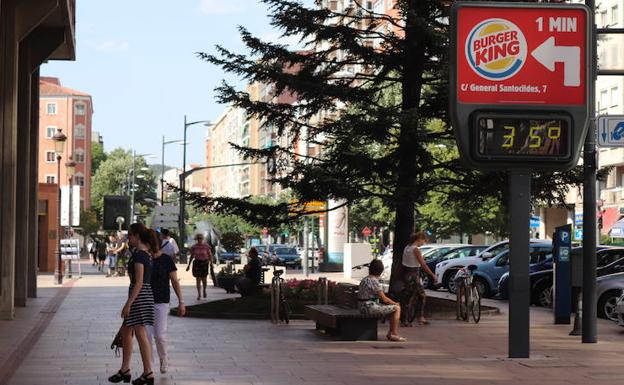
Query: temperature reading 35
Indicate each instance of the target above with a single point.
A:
(557, 24)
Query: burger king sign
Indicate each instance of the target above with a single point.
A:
(520, 83)
(496, 49)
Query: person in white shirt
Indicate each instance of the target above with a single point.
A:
(413, 262)
(168, 245)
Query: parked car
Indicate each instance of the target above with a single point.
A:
(503, 282)
(445, 270)
(436, 256)
(228, 256)
(609, 290)
(609, 260)
(265, 252)
(489, 272)
(286, 256)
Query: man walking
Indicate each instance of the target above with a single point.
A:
(168, 245)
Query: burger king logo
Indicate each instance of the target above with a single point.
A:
(496, 49)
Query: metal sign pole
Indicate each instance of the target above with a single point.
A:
(519, 219)
(590, 330)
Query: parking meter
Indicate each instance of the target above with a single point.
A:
(562, 285)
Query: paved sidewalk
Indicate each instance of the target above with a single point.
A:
(74, 348)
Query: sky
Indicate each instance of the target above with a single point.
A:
(138, 60)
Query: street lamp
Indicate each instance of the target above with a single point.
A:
(59, 147)
(162, 171)
(182, 217)
(70, 166)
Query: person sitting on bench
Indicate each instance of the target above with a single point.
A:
(249, 284)
(373, 301)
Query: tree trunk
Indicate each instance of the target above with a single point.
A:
(414, 57)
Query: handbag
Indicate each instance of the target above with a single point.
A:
(117, 344)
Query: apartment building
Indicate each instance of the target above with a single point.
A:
(70, 111)
(231, 181)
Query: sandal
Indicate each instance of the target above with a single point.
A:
(120, 376)
(396, 338)
(144, 379)
(423, 322)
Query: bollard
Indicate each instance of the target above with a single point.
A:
(577, 329)
(274, 302)
(321, 298)
(326, 290)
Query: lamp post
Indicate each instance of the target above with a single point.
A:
(182, 216)
(59, 146)
(162, 172)
(70, 166)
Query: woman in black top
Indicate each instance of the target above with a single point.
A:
(138, 311)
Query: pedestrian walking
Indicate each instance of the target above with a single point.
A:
(163, 271)
(168, 244)
(101, 254)
(201, 257)
(138, 312)
(412, 263)
(111, 255)
(373, 301)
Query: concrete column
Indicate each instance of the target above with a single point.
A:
(22, 231)
(8, 156)
(33, 224)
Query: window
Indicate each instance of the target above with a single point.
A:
(79, 156)
(80, 131)
(614, 97)
(79, 179)
(603, 18)
(50, 157)
(608, 257)
(604, 102)
(50, 179)
(50, 131)
(81, 109)
(614, 15)
(51, 108)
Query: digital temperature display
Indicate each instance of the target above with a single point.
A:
(516, 137)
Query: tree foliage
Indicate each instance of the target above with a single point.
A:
(372, 89)
(113, 178)
(98, 156)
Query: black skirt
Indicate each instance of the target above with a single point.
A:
(200, 268)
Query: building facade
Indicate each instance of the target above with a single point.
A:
(32, 33)
(71, 112)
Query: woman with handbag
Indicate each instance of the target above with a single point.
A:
(201, 257)
(138, 312)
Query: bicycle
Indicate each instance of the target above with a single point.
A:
(468, 297)
(410, 298)
(280, 310)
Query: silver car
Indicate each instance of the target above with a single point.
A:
(609, 290)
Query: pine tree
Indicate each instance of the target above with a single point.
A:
(374, 123)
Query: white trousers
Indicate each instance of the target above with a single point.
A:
(158, 332)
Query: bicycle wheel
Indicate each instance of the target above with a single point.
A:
(475, 309)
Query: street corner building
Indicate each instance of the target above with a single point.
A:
(31, 33)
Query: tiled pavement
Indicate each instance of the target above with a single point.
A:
(73, 348)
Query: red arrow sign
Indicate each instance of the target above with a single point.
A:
(366, 232)
(521, 55)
